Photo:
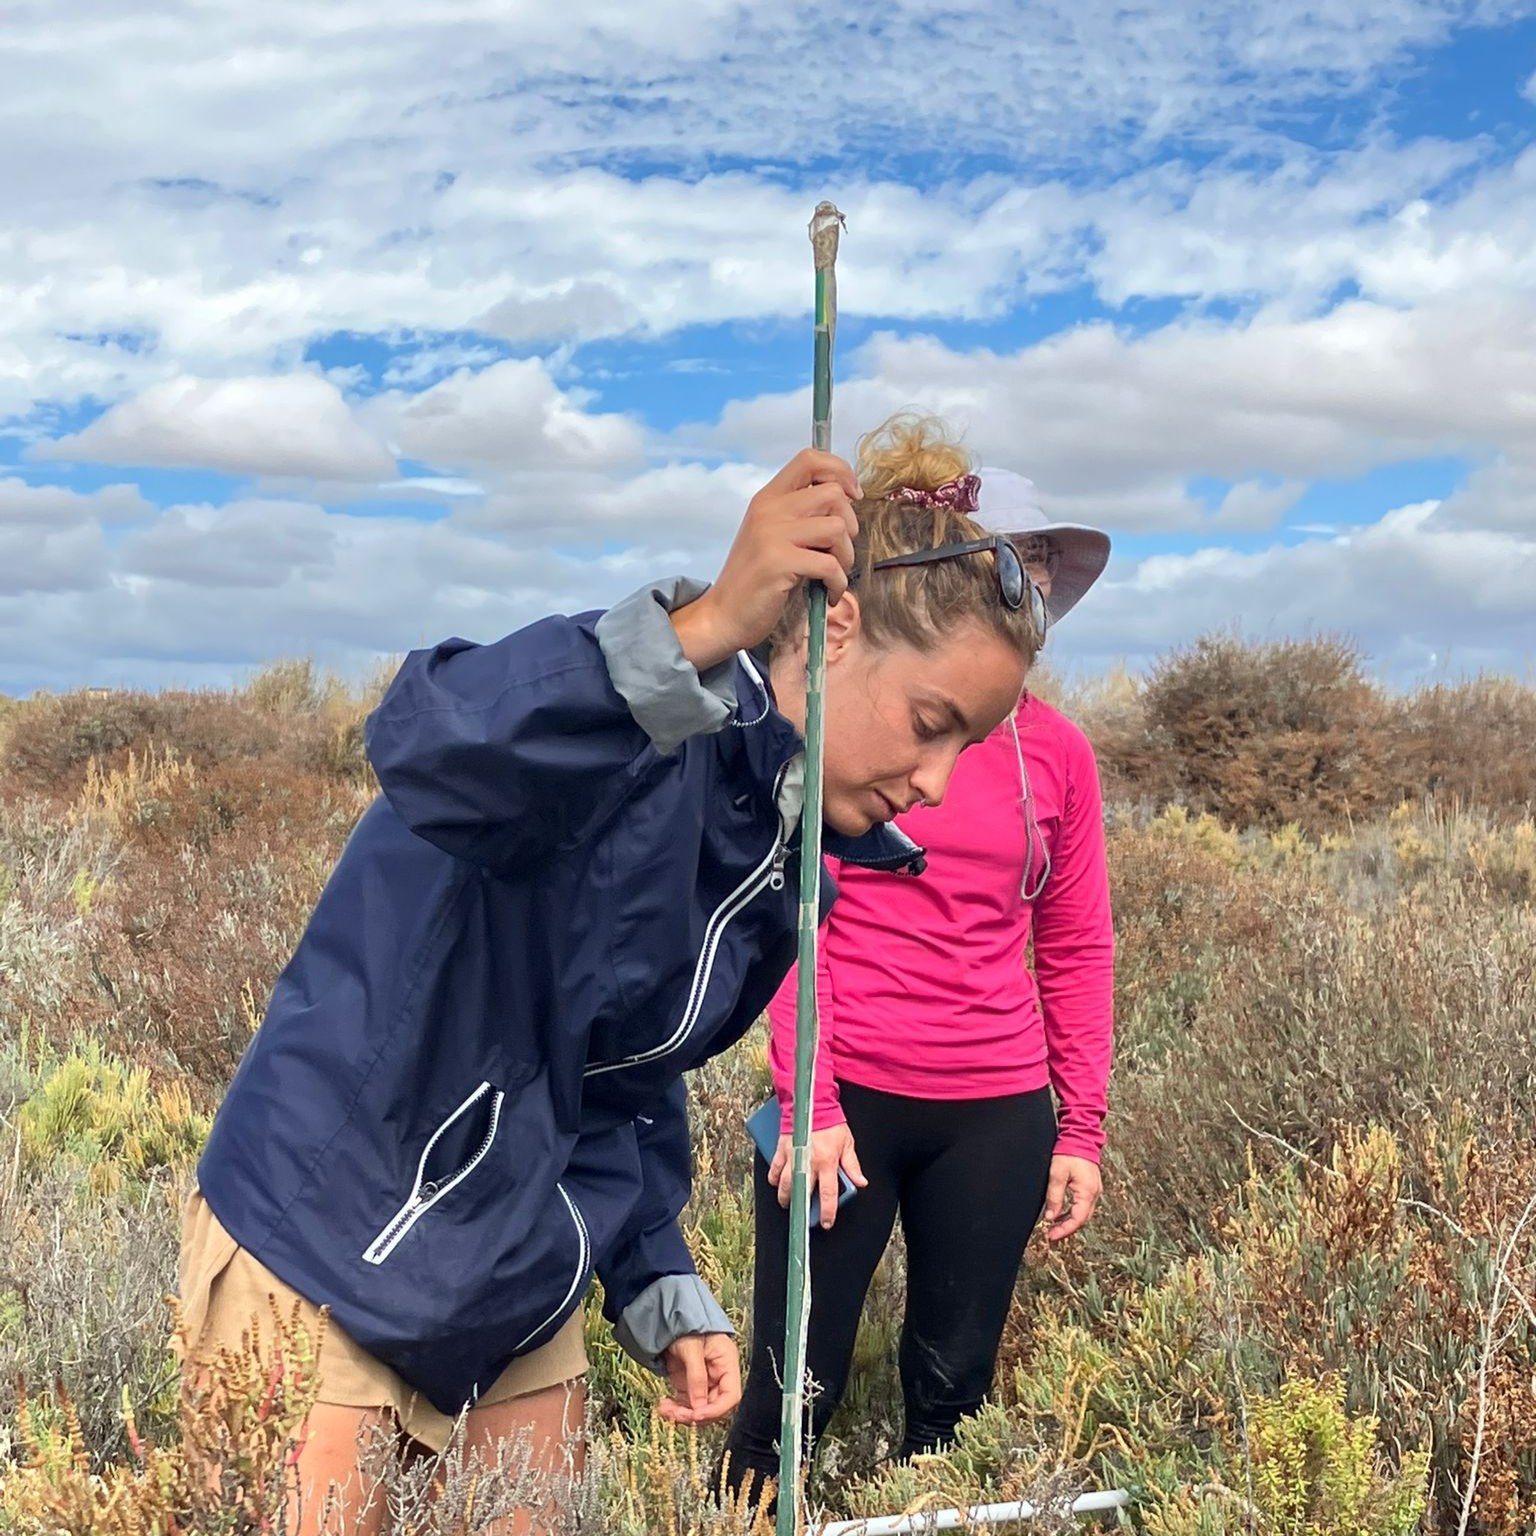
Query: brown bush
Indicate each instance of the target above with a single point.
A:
(217, 818)
(1263, 735)
(1183, 904)
(1295, 732)
(1464, 745)
(1325, 1016)
(48, 743)
(204, 908)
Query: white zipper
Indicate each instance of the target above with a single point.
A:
(583, 1263)
(424, 1193)
(776, 875)
(769, 873)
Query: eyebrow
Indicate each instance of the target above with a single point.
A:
(956, 714)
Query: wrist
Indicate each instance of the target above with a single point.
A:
(701, 633)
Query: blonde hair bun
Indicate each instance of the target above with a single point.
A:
(910, 449)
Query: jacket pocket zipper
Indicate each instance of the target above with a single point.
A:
(425, 1193)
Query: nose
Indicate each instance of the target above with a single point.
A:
(930, 779)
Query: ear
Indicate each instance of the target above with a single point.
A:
(845, 626)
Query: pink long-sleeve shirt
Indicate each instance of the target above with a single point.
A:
(922, 986)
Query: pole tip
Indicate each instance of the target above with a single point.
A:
(826, 223)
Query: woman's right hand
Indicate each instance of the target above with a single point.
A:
(800, 526)
(830, 1150)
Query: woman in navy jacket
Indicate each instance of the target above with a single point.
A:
(579, 881)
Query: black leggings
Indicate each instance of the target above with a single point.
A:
(968, 1179)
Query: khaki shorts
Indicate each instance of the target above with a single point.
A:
(223, 1289)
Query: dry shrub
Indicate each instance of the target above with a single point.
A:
(218, 818)
(1292, 983)
(1414, 1293)
(233, 1470)
(140, 793)
(1254, 998)
(1111, 709)
(84, 1273)
(183, 945)
(242, 1416)
(1356, 1299)
(1263, 735)
(47, 742)
(169, 942)
(1465, 744)
(50, 740)
(293, 687)
(1185, 900)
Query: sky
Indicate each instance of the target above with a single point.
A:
(335, 329)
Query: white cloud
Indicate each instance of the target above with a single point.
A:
(70, 558)
(497, 249)
(512, 414)
(213, 591)
(256, 92)
(266, 176)
(53, 539)
(204, 593)
(1405, 586)
(689, 507)
(1099, 418)
(296, 424)
(180, 233)
(1499, 497)
(42, 506)
(1302, 223)
(246, 545)
(1253, 504)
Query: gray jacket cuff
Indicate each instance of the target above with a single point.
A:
(664, 1312)
(669, 699)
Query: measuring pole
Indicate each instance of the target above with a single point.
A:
(826, 225)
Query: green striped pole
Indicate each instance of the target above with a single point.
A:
(825, 227)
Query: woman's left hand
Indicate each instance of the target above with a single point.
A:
(1071, 1196)
(704, 1371)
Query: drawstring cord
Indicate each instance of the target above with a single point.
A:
(1033, 837)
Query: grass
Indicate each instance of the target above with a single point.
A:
(1305, 1307)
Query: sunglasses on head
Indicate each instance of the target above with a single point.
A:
(1014, 586)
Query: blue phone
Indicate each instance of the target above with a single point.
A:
(763, 1127)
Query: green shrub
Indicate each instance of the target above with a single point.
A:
(111, 1118)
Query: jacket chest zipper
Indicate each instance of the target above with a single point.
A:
(770, 874)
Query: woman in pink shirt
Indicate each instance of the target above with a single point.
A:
(939, 1048)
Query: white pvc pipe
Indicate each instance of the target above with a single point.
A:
(954, 1519)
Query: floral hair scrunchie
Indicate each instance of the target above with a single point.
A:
(962, 494)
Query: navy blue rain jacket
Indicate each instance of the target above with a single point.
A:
(466, 1097)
